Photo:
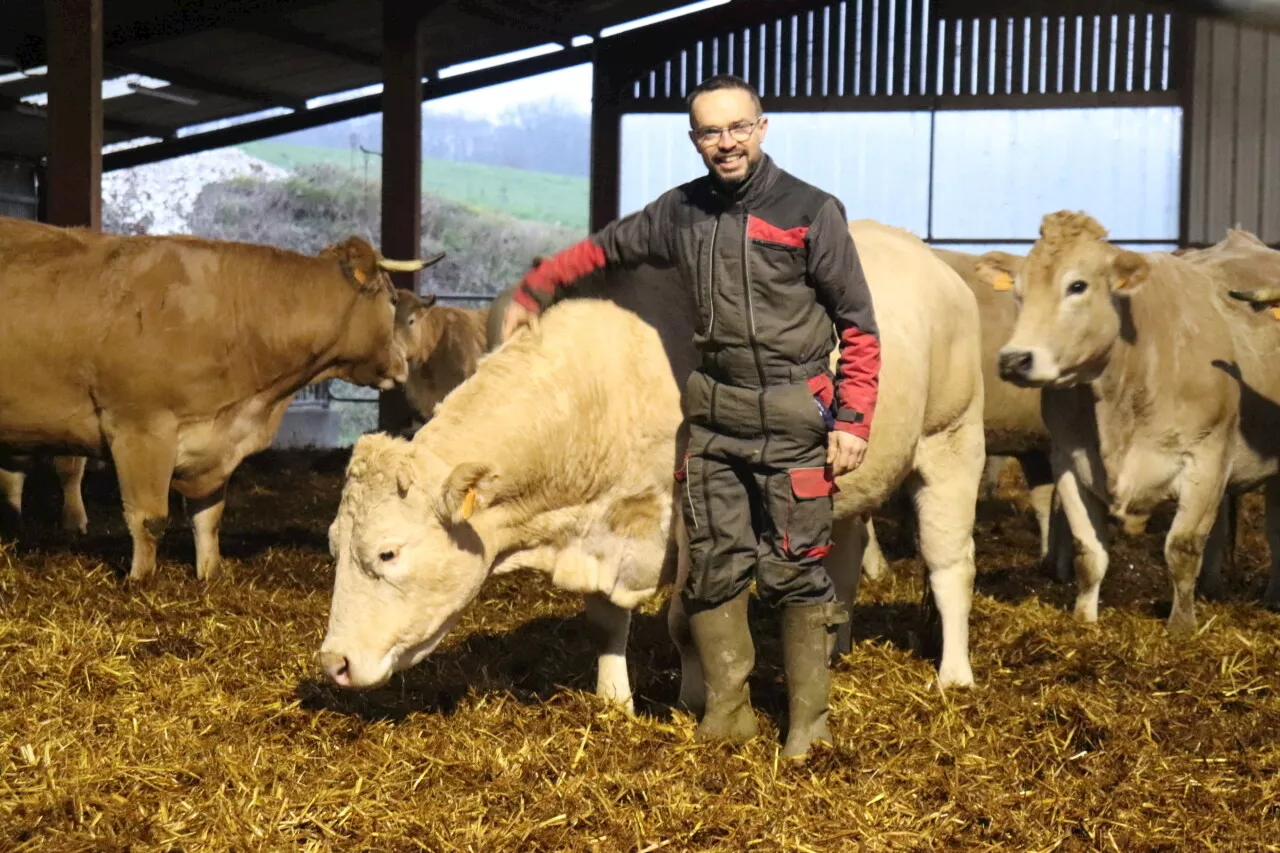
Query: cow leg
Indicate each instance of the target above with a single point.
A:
(1087, 520)
(1217, 551)
(991, 473)
(1039, 476)
(11, 485)
(144, 465)
(1058, 562)
(1271, 598)
(949, 468)
(874, 564)
(609, 626)
(206, 522)
(845, 564)
(71, 474)
(1184, 547)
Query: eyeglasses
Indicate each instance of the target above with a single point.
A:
(705, 137)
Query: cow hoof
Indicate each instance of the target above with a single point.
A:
(138, 577)
(209, 571)
(76, 526)
(955, 676)
(1181, 623)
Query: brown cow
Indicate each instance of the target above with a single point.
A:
(178, 356)
(443, 346)
(1155, 386)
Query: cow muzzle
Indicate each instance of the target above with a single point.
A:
(1026, 366)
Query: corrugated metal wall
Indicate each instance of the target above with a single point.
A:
(1232, 171)
(18, 190)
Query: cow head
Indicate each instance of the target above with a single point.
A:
(410, 543)
(1067, 293)
(373, 339)
(414, 330)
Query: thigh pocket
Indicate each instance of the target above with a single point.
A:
(806, 532)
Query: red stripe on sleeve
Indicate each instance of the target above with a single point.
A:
(758, 229)
(857, 378)
(572, 263)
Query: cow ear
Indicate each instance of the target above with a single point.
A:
(359, 262)
(997, 269)
(1129, 270)
(469, 488)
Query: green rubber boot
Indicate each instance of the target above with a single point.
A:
(723, 640)
(808, 638)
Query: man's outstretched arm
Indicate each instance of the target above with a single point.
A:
(643, 236)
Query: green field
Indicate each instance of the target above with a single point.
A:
(539, 196)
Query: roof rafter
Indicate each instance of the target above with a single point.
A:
(119, 125)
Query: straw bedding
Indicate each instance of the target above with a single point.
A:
(186, 717)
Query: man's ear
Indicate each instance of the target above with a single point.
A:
(997, 269)
(469, 488)
(1129, 271)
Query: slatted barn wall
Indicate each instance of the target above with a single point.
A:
(1231, 158)
(913, 54)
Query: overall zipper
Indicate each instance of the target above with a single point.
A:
(751, 328)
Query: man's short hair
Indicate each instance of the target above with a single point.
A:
(723, 81)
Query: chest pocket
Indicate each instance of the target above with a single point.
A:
(778, 254)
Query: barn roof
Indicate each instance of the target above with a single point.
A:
(229, 59)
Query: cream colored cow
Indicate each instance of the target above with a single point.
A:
(1156, 387)
(1011, 416)
(558, 454)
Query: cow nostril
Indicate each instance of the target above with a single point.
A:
(1017, 363)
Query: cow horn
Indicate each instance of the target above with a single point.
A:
(408, 266)
(1264, 295)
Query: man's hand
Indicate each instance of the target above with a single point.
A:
(844, 452)
(516, 316)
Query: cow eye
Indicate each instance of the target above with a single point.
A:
(1077, 287)
(387, 556)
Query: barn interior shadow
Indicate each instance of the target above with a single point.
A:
(531, 664)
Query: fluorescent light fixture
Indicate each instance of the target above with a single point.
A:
(114, 87)
(163, 95)
(661, 16)
(500, 59)
(579, 41)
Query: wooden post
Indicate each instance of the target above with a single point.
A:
(606, 139)
(75, 112)
(402, 63)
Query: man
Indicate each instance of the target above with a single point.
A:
(773, 267)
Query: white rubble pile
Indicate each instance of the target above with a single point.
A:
(166, 190)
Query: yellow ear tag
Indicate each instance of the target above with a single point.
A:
(1275, 312)
(1003, 281)
(1122, 283)
(469, 504)
(360, 276)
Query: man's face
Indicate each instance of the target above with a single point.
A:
(733, 113)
